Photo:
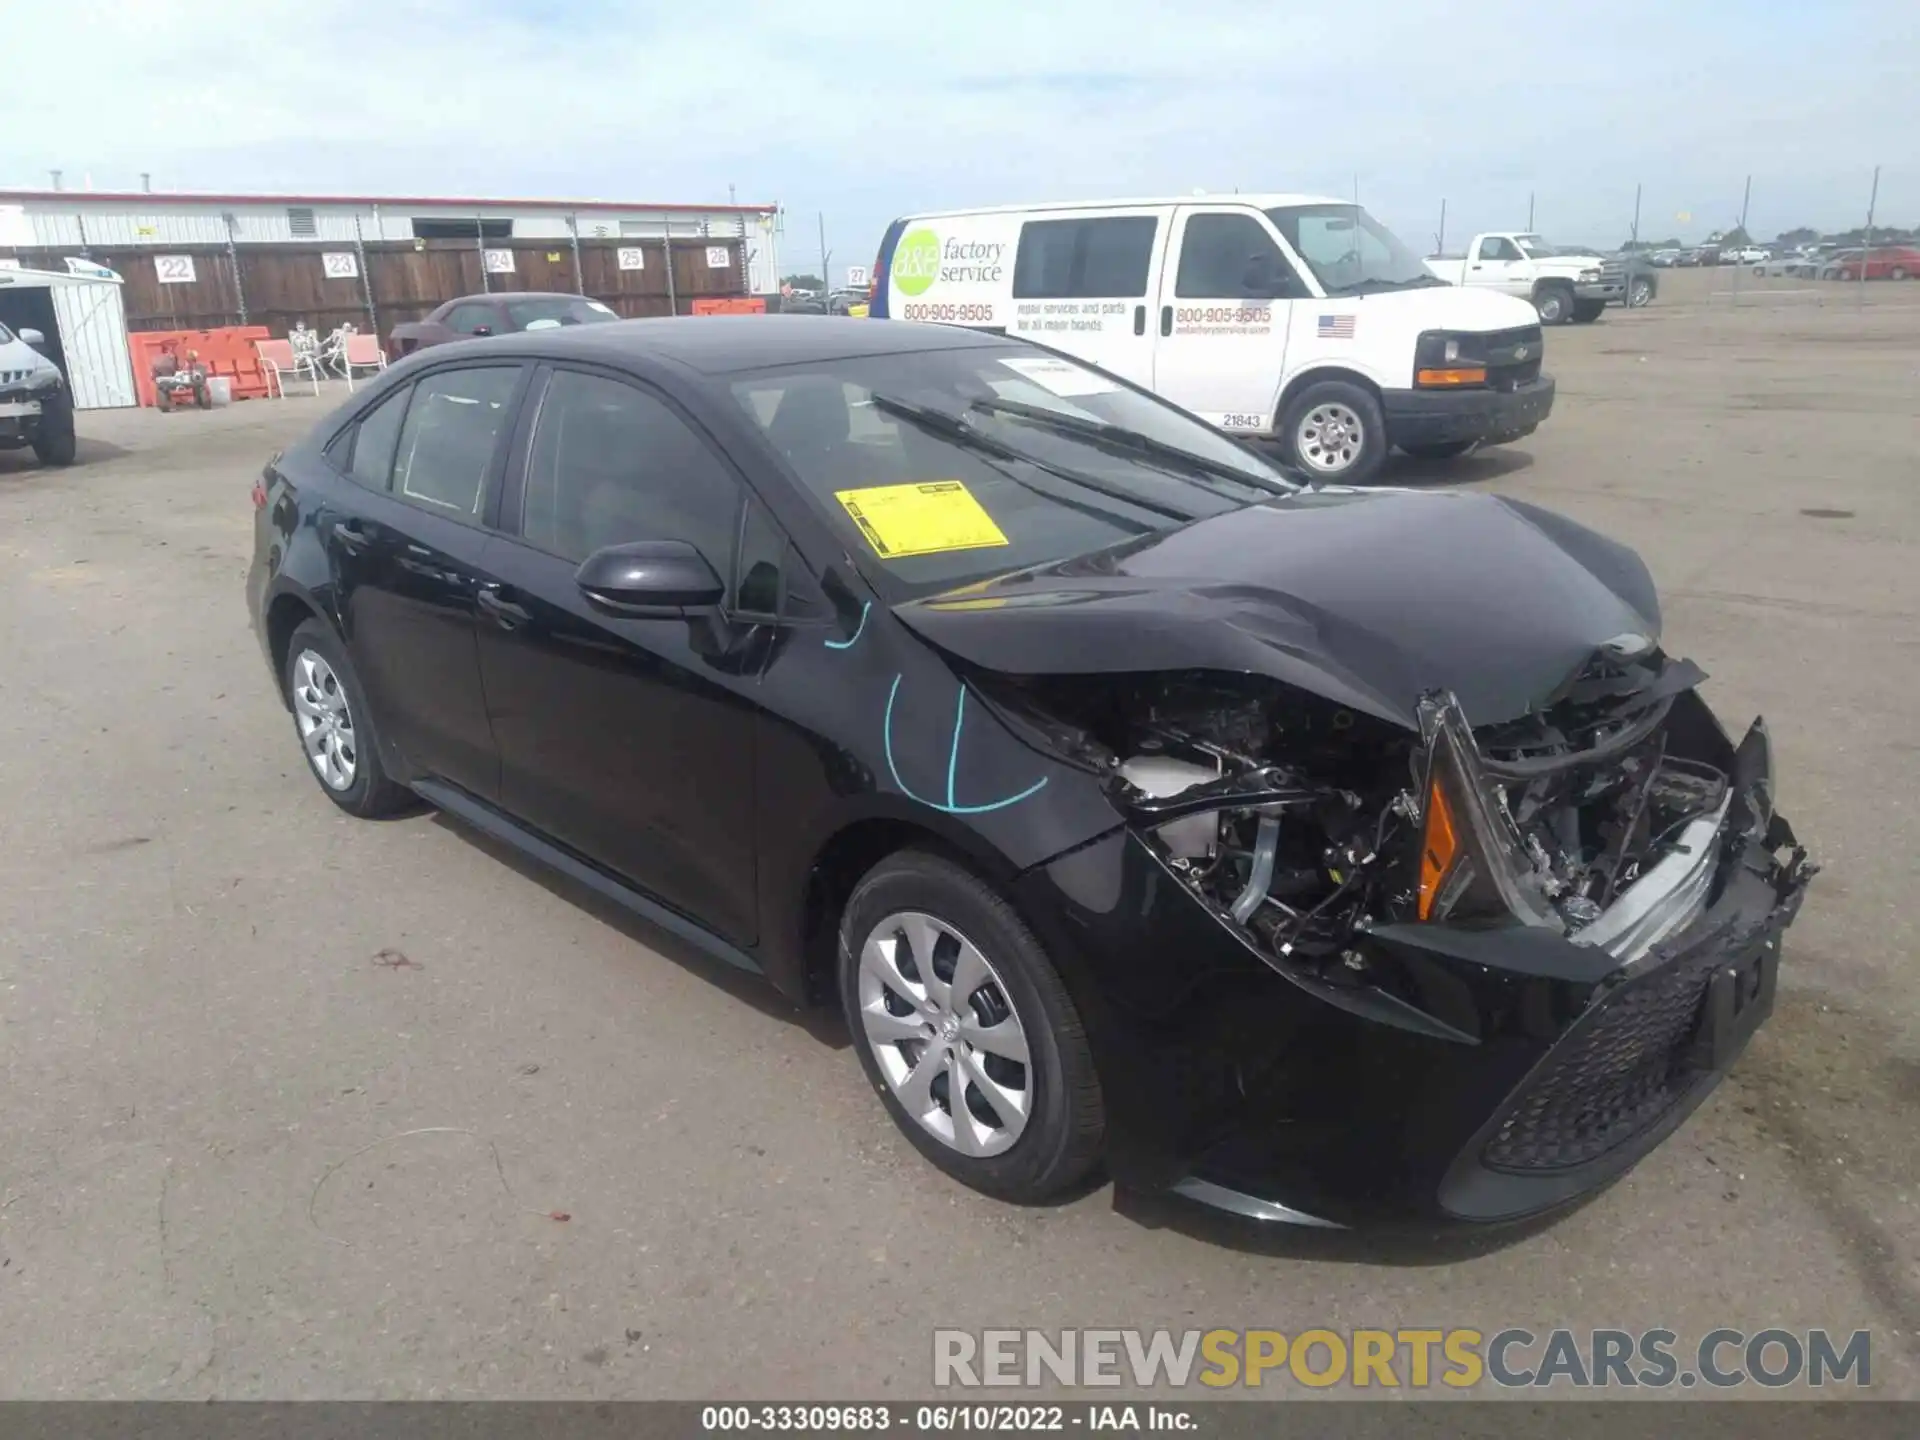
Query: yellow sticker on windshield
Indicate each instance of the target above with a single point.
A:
(924, 519)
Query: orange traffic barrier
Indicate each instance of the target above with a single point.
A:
(226, 351)
(737, 305)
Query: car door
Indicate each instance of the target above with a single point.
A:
(404, 542)
(1226, 297)
(1080, 284)
(627, 738)
(1497, 263)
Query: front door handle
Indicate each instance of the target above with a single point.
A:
(1166, 319)
(349, 534)
(506, 614)
(1139, 319)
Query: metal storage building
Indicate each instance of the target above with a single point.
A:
(200, 260)
(83, 315)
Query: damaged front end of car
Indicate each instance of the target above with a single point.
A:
(1517, 955)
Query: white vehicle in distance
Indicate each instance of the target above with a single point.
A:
(1294, 318)
(1752, 255)
(1564, 286)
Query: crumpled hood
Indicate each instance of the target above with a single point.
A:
(1369, 598)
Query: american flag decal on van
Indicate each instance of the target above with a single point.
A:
(1336, 327)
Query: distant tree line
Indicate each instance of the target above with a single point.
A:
(1788, 239)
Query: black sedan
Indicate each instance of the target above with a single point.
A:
(1331, 856)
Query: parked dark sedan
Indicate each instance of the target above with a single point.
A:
(1331, 856)
(506, 313)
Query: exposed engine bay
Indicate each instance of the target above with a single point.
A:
(1603, 814)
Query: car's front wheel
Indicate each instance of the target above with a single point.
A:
(330, 717)
(54, 442)
(1640, 293)
(965, 1029)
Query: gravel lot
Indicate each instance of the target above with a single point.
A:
(293, 1103)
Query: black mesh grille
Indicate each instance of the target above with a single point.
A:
(1504, 370)
(1616, 1073)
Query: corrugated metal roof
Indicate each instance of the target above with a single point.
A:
(184, 197)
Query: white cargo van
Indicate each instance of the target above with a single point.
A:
(1294, 317)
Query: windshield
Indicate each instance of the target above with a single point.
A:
(949, 466)
(544, 314)
(1348, 250)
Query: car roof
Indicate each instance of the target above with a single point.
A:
(725, 344)
(485, 295)
(1262, 200)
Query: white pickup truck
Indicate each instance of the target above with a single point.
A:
(1564, 285)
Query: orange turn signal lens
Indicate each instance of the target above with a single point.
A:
(1437, 849)
(1451, 377)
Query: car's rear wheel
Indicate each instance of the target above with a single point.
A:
(965, 1029)
(330, 718)
(1640, 293)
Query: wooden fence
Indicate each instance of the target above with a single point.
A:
(277, 285)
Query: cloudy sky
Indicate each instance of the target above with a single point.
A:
(862, 112)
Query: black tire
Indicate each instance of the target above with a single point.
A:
(54, 442)
(1066, 1124)
(1442, 450)
(370, 794)
(1332, 398)
(1585, 312)
(1640, 293)
(1554, 304)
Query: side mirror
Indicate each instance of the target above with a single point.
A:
(32, 337)
(649, 576)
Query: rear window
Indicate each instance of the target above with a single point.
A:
(1080, 259)
(546, 314)
(447, 441)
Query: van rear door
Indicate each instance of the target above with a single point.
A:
(1226, 293)
(1082, 283)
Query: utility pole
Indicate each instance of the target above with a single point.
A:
(1529, 212)
(1866, 248)
(826, 285)
(1746, 199)
(1636, 217)
(1440, 240)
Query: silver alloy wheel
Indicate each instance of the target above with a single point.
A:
(1552, 306)
(326, 723)
(1330, 438)
(1639, 294)
(944, 1033)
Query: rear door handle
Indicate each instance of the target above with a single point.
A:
(1166, 320)
(1139, 319)
(506, 614)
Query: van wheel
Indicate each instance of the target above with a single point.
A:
(1334, 431)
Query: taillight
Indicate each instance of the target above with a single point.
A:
(259, 494)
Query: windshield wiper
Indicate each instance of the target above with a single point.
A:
(1182, 464)
(951, 427)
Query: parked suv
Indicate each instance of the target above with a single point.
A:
(36, 407)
